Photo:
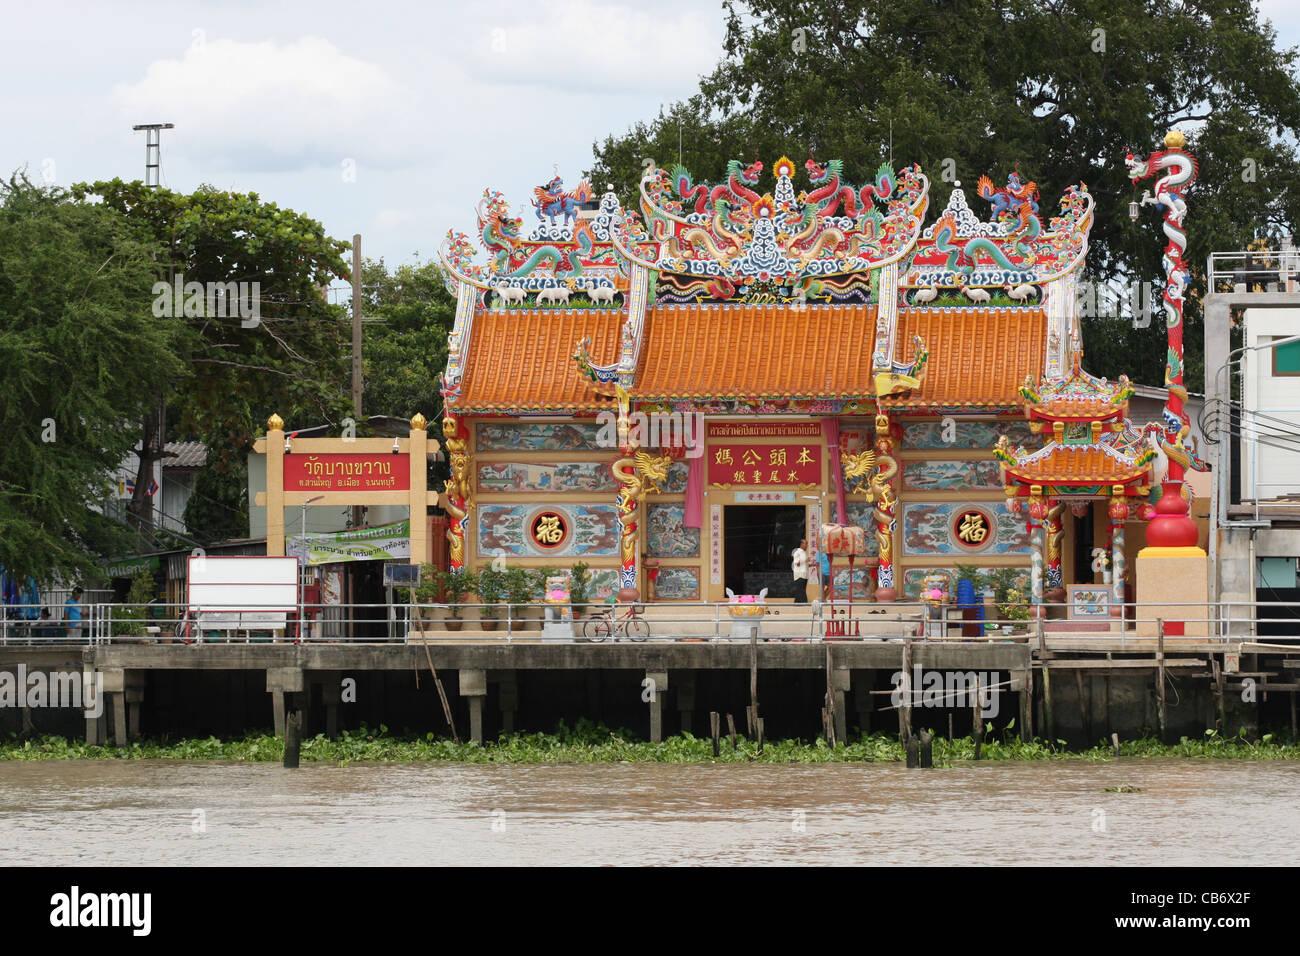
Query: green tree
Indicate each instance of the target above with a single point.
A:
(235, 373)
(408, 314)
(1064, 88)
(81, 358)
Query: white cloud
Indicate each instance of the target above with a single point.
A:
(267, 106)
(589, 47)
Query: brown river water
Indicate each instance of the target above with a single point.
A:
(123, 813)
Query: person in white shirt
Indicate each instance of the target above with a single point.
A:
(799, 566)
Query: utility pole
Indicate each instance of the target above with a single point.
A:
(154, 431)
(356, 348)
(350, 618)
(153, 150)
(356, 327)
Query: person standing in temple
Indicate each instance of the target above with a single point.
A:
(799, 567)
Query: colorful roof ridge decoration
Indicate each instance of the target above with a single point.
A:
(730, 241)
(977, 357)
(1012, 252)
(575, 253)
(1094, 450)
(1090, 465)
(775, 251)
(1079, 397)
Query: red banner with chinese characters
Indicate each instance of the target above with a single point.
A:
(796, 463)
(377, 472)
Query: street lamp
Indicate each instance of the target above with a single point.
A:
(304, 513)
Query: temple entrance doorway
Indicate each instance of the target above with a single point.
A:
(1083, 545)
(757, 542)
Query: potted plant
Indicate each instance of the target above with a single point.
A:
(521, 586)
(458, 585)
(579, 588)
(491, 586)
(1015, 610)
(134, 619)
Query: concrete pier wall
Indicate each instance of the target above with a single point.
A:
(178, 691)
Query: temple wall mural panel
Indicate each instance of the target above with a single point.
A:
(538, 436)
(676, 481)
(938, 474)
(666, 536)
(936, 529)
(927, 436)
(860, 514)
(565, 476)
(861, 577)
(678, 584)
(547, 530)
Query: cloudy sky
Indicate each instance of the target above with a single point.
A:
(383, 118)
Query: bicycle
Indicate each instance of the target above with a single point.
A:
(608, 624)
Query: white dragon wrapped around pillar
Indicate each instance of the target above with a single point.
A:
(1179, 170)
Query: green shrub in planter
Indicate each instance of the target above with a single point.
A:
(134, 616)
(579, 587)
(491, 586)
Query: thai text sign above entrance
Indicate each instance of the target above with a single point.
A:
(764, 430)
(350, 472)
(387, 542)
(797, 463)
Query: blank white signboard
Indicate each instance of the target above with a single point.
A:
(243, 584)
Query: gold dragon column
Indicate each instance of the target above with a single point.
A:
(459, 498)
(629, 498)
(884, 489)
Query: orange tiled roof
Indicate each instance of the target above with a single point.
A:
(525, 361)
(1076, 464)
(977, 356)
(760, 351)
(1086, 408)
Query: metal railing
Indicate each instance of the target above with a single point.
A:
(675, 623)
(1263, 270)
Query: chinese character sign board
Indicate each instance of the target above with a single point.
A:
(795, 463)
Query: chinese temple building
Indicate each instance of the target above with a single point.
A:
(677, 394)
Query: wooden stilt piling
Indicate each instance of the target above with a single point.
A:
(714, 728)
(977, 727)
(927, 749)
(1114, 742)
(731, 730)
(1085, 723)
(905, 703)
(829, 710)
(1217, 670)
(292, 739)
(1160, 679)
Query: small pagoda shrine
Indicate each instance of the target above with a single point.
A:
(1093, 453)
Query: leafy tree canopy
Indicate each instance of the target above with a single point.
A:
(235, 372)
(80, 362)
(408, 314)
